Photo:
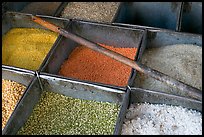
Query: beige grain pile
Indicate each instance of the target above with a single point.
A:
(182, 62)
(11, 94)
(91, 11)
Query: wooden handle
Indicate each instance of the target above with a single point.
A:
(46, 24)
(190, 91)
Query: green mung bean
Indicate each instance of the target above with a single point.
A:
(58, 114)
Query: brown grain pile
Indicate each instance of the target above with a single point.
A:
(86, 64)
(91, 11)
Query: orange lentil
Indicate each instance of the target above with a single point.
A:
(86, 64)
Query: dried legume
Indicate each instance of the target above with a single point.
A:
(86, 64)
(91, 11)
(59, 115)
(11, 94)
(26, 47)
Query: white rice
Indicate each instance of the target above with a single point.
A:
(161, 119)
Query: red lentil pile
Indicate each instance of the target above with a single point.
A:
(11, 94)
(86, 64)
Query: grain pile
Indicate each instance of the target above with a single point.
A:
(86, 64)
(26, 47)
(91, 11)
(56, 114)
(182, 62)
(155, 119)
(11, 94)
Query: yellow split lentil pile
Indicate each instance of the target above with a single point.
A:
(26, 47)
(11, 94)
(56, 114)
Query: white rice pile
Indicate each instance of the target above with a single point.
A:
(182, 62)
(157, 119)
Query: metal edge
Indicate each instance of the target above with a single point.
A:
(179, 17)
(60, 9)
(106, 24)
(38, 15)
(176, 32)
(17, 70)
(96, 85)
(117, 12)
(52, 50)
(122, 113)
(153, 29)
(137, 57)
(133, 26)
(170, 96)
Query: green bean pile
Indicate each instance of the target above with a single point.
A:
(56, 114)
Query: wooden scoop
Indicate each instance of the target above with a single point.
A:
(190, 91)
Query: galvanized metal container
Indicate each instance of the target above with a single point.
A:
(98, 33)
(19, 20)
(138, 95)
(20, 76)
(160, 38)
(155, 34)
(62, 86)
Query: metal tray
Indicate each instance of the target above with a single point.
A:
(119, 35)
(44, 8)
(14, 20)
(65, 87)
(138, 95)
(160, 38)
(151, 14)
(96, 32)
(19, 76)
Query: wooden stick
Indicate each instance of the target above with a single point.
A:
(190, 91)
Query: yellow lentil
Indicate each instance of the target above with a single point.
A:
(26, 47)
(11, 94)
